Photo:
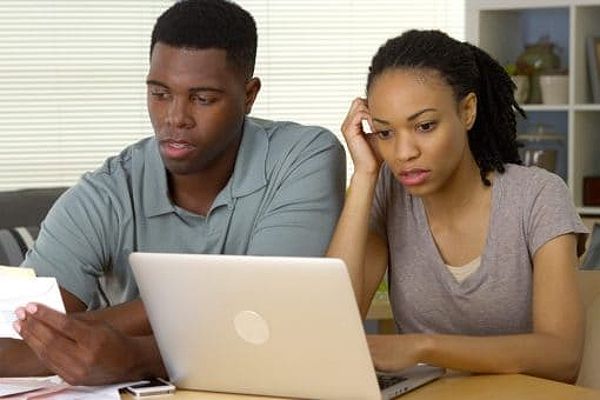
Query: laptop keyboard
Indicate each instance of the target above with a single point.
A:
(385, 381)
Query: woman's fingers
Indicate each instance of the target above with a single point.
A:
(358, 139)
(357, 112)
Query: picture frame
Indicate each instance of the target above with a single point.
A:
(593, 58)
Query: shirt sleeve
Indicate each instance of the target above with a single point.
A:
(552, 214)
(73, 244)
(306, 202)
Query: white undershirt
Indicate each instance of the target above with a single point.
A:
(462, 273)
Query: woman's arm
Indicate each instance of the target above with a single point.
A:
(364, 252)
(553, 350)
(352, 241)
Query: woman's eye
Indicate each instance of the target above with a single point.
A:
(384, 135)
(426, 126)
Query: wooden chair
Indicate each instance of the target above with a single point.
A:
(589, 372)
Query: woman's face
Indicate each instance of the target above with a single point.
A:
(421, 131)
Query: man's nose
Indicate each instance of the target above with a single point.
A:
(179, 114)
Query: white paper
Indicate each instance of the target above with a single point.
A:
(86, 393)
(54, 388)
(14, 386)
(16, 272)
(17, 292)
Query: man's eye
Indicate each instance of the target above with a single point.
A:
(159, 95)
(384, 135)
(204, 100)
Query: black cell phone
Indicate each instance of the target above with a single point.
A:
(152, 387)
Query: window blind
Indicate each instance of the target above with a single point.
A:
(72, 73)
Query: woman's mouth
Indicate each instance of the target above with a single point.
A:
(413, 177)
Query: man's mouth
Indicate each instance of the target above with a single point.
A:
(172, 148)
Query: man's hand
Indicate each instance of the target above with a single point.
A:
(394, 352)
(86, 352)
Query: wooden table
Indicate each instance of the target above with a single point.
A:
(481, 387)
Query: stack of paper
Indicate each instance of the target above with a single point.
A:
(22, 388)
(54, 388)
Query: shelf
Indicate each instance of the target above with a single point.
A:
(545, 107)
(559, 107)
(533, 137)
(586, 107)
(587, 210)
(504, 28)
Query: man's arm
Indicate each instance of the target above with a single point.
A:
(74, 245)
(305, 202)
(128, 318)
(19, 359)
(87, 352)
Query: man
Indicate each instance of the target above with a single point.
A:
(211, 181)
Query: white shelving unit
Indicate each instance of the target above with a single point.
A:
(503, 27)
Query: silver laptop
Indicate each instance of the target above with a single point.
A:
(276, 326)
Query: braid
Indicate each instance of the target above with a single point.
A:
(493, 138)
(467, 69)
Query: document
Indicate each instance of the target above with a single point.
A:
(16, 272)
(54, 388)
(17, 288)
(23, 387)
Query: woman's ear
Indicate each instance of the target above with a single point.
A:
(468, 110)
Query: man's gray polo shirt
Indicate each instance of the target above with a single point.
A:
(284, 198)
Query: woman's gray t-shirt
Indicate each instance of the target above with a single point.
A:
(530, 206)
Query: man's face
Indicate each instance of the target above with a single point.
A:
(197, 102)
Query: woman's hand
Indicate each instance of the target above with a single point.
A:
(394, 352)
(364, 157)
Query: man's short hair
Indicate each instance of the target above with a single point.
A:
(210, 24)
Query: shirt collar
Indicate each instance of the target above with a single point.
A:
(156, 189)
(249, 172)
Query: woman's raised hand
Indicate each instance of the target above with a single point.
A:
(360, 145)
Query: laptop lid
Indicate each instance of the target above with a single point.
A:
(279, 326)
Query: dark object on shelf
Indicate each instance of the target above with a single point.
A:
(543, 158)
(542, 147)
(591, 191)
(536, 59)
(592, 257)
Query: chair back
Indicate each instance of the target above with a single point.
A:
(589, 372)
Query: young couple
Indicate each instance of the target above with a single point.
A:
(480, 252)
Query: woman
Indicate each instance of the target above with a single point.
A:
(481, 252)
